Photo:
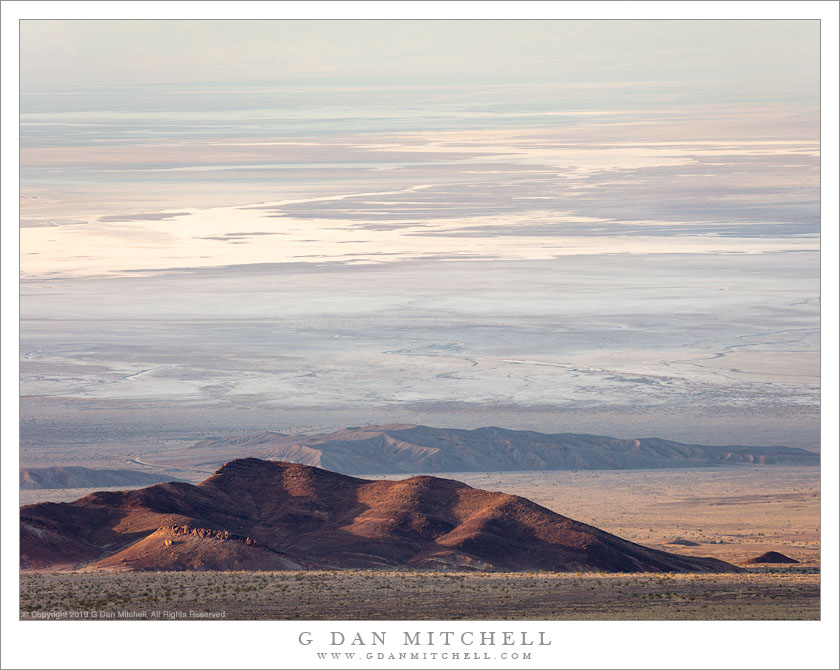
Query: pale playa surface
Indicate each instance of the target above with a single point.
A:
(543, 174)
(223, 236)
(569, 345)
(634, 260)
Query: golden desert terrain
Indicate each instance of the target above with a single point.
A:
(730, 513)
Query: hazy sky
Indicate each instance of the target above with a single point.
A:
(73, 53)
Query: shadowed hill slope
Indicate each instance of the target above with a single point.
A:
(400, 448)
(76, 477)
(264, 515)
(770, 557)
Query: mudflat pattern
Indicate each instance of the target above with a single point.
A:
(582, 259)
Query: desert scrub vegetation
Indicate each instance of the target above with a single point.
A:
(373, 594)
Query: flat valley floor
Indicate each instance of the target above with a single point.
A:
(381, 595)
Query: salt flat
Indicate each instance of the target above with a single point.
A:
(560, 345)
(610, 260)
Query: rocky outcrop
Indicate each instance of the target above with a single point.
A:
(264, 515)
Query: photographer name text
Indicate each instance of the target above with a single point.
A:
(428, 638)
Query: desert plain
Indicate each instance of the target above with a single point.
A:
(730, 513)
(370, 595)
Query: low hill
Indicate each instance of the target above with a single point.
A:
(770, 557)
(83, 478)
(264, 515)
(400, 448)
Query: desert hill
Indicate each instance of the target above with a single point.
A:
(400, 448)
(75, 477)
(254, 514)
(771, 557)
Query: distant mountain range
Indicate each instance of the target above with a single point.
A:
(400, 448)
(264, 515)
(76, 477)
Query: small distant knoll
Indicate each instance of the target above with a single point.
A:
(77, 477)
(402, 448)
(683, 543)
(266, 515)
(770, 557)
